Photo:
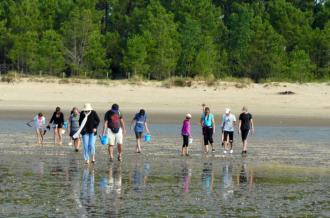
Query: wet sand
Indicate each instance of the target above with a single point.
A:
(260, 120)
(286, 174)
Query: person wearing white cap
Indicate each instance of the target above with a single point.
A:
(228, 128)
(186, 134)
(88, 122)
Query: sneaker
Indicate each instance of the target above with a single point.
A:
(119, 158)
(231, 151)
(76, 150)
(213, 150)
(224, 151)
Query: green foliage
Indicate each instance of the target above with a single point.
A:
(50, 53)
(160, 39)
(136, 55)
(299, 66)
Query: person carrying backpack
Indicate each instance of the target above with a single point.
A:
(114, 128)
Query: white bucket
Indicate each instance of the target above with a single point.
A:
(190, 140)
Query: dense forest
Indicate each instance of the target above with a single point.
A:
(157, 39)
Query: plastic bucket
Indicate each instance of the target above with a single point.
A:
(190, 141)
(63, 131)
(65, 125)
(104, 140)
(147, 138)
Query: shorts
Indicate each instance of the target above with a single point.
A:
(138, 135)
(185, 141)
(244, 133)
(40, 129)
(72, 132)
(208, 135)
(115, 138)
(230, 134)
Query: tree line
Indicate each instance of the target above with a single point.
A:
(157, 39)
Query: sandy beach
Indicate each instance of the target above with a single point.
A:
(309, 105)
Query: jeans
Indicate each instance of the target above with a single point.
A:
(89, 145)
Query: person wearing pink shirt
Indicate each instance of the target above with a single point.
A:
(186, 134)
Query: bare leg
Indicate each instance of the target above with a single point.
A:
(38, 136)
(110, 150)
(77, 144)
(139, 144)
(55, 136)
(206, 149)
(182, 151)
(59, 132)
(120, 149)
(244, 145)
(41, 136)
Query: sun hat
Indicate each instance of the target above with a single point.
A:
(227, 110)
(87, 107)
(188, 116)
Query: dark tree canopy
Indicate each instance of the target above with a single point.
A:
(157, 39)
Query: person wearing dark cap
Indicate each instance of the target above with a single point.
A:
(57, 122)
(114, 127)
(140, 120)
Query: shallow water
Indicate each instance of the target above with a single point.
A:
(286, 173)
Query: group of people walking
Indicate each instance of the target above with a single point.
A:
(84, 125)
(228, 126)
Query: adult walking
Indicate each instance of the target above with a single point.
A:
(245, 127)
(88, 122)
(73, 127)
(228, 127)
(140, 121)
(57, 122)
(114, 127)
(208, 125)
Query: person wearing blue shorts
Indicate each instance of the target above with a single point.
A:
(140, 121)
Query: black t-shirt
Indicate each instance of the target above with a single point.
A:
(57, 119)
(245, 118)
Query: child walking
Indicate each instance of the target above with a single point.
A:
(186, 134)
(39, 122)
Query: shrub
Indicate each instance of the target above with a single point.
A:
(64, 81)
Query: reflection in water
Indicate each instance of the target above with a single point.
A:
(140, 176)
(87, 194)
(245, 177)
(186, 174)
(227, 181)
(38, 168)
(207, 178)
(111, 190)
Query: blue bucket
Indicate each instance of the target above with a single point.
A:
(65, 124)
(104, 140)
(147, 138)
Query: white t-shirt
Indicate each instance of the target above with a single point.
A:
(228, 122)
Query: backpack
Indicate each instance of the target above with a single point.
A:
(114, 121)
